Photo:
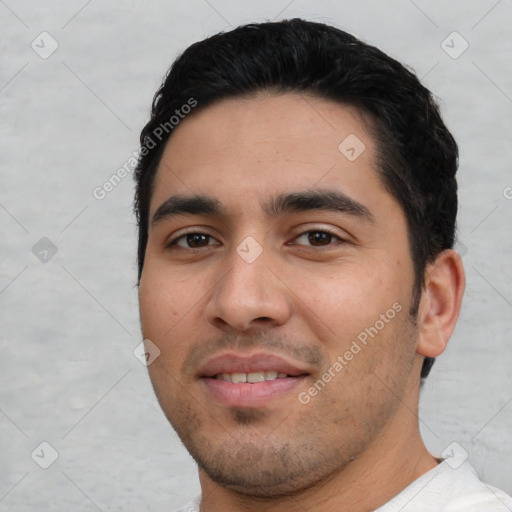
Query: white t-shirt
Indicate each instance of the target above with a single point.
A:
(442, 489)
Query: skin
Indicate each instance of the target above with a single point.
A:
(357, 441)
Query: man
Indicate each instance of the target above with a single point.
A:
(296, 201)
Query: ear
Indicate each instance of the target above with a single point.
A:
(440, 303)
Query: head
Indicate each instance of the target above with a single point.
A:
(254, 134)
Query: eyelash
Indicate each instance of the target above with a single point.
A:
(174, 241)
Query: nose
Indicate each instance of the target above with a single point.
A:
(249, 296)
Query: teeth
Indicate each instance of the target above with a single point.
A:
(238, 378)
(256, 377)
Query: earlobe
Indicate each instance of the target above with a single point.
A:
(440, 303)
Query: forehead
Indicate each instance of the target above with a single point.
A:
(241, 150)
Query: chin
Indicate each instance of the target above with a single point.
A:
(263, 468)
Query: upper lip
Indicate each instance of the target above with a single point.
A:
(242, 363)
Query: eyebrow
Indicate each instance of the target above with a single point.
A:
(315, 199)
(309, 200)
(187, 205)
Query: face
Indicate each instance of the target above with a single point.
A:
(274, 251)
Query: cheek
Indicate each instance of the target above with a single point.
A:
(164, 300)
(171, 304)
(162, 314)
(347, 300)
(163, 307)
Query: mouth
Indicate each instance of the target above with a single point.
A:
(252, 378)
(235, 380)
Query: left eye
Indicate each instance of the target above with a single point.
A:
(319, 238)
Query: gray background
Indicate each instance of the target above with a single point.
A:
(69, 324)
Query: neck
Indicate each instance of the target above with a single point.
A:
(393, 461)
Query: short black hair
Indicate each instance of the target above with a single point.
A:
(417, 155)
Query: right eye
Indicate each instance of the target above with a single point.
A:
(191, 240)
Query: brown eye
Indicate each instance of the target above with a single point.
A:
(197, 239)
(318, 238)
(192, 241)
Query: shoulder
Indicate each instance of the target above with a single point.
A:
(447, 489)
(192, 506)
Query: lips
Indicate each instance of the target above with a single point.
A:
(256, 363)
(235, 380)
